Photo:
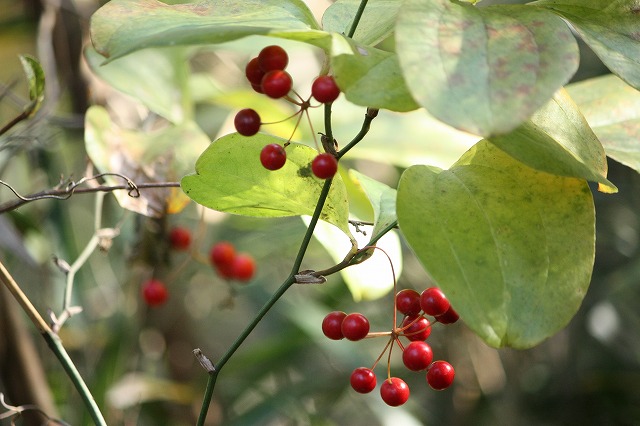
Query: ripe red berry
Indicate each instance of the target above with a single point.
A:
(324, 166)
(253, 72)
(180, 238)
(394, 391)
(408, 302)
(419, 329)
(247, 122)
(273, 58)
(222, 254)
(363, 380)
(324, 89)
(243, 267)
(417, 356)
(154, 292)
(434, 302)
(448, 317)
(332, 325)
(276, 84)
(273, 156)
(355, 326)
(440, 375)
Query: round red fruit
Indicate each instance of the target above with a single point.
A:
(324, 89)
(332, 325)
(417, 356)
(324, 166)
(180, 238)
(355, 326)
(363, 380)
(434, 302)
(253, 72)
(154, 292)
(440, 375)
(243, 267)
(419, 330)
(273, 58)
(222, 254)
(276, 84)
(247, 122)
(273, 156)
(394, 391)
(448, 317)
(408, 302)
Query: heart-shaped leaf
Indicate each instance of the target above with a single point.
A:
(558, 140)
(230, 178)
(610, 28)
(511, 247)
(483, 70)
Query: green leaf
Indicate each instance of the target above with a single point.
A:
(511, 247)
(375, 25)
(123, 26)
(358, 69)
(610, 28)
(558, 140)
(483, 70)
(155, 77)
(383, 201)
(161, 155)
(35, 79)
(230, 178)
(612, 109)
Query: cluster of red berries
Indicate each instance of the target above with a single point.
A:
(266, 74)
(231, 265)
(415, 327)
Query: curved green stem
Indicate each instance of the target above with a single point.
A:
(366, 126)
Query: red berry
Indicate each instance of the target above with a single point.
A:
(154, 292)
(394, 391)
(355, 326)
(273, 58)
(324, 89)
(419, 329)
(434, 302)
(243, 267)
(273, 156)
(253, 72)
(324, 166)
(332, 325)
(180, 238)
(276, 84)
(363, 380)
(247, 122)
(440, 375)
(417, 356)
(222, 254)
(408, 302)
(448, 317)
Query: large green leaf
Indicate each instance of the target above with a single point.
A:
(483, 70)
(123, 26)
(156, 77)
(375, 25)
(612, 109)
(513, 248)
(610, 27)
(230, 178)
(358, 69)
(558, 140)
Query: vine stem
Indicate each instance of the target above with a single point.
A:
(55, 344)
(356, 18)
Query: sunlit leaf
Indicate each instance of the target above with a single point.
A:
(483, 70)
(230, 178)
(512, 248)
(383, 201)
(612, 109)
(558, 140)
(610, 28)
(158, 156)
(35, 79)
